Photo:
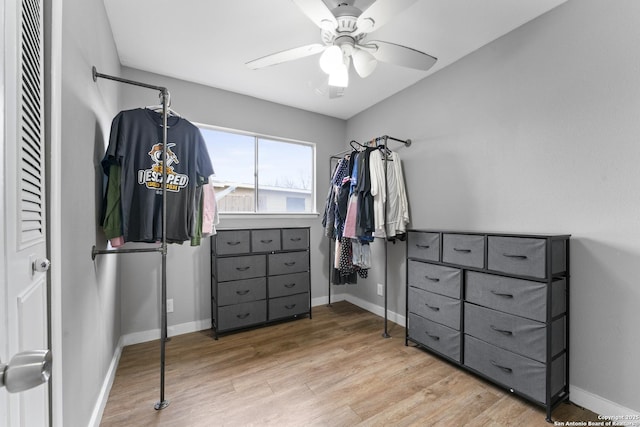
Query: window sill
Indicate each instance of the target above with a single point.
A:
(263, 215)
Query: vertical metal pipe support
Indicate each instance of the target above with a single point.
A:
(385, 334)
(163, 403)
(163, 249)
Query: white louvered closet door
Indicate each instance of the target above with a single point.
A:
(23, 260)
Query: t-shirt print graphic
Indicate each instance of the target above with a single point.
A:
(152, 177)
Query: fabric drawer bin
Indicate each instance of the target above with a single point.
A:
(239, 315)
(293, 239)
(463, 249)
(515, 372)
(517, 334)
(440, 338)
(288, 284)
(435, 278)
(241, 267)
(288, 306)
(524, 298)
(517, 255)
(231, 242)
(438, 308)
(423, 246)
(265, 240)
(290, 262)
(242, 291)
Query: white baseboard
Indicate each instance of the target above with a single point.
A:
(598, 404)
(154, 334)
(103, 396)
(378, 310)
(325, 300)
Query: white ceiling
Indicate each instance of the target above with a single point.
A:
(209, 41)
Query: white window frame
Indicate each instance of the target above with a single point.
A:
(256, 137)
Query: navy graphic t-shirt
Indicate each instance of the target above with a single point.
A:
(135, 145)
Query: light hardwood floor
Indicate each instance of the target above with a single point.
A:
(332, 370)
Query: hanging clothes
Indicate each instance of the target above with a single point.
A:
(392, 195)
(365, 219)
(366, 199)
(331, 222)
(352, 258)
(352, 206)
(135, 146)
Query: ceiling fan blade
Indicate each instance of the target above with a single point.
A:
(285, 56)
(401, 55)
(318, 12)
(379, 13)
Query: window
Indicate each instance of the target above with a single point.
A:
(259, 174)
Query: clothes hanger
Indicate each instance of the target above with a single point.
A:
(358, 146)
(382, 146)
(158, 108)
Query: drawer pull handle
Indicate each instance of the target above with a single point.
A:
(289, 264)
(296, 239)
(503, 368)
(290, 306)
(502, 294)
(422, 246)
(502, 331)
(433, 337)
(243, 316)
(433, 279)
(515, 256)
(464, 251)
(266, 240)
(244, 292)
(233, 243)
(243, 268)
(432, 307)
(289, 285)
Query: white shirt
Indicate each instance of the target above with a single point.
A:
(395, 199)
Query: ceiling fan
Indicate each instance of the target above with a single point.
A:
(343, 31)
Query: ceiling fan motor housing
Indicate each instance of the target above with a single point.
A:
(345, 34)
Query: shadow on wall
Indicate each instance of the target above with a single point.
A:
(438, 188)
(322, 242)
(100, 180)
(604, 306)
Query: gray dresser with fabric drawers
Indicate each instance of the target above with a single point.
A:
(259, 276)
(494, 304)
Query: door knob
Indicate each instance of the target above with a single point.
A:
(41, 265)
(26, 370)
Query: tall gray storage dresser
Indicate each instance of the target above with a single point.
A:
(494, 304)
(259, 276)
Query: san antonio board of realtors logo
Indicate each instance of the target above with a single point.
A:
(152, 178)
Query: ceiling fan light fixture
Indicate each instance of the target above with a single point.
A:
(331, 59)
(340, 76)
(364, 63)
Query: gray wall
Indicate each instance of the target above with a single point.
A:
(188, 268)
(538, 132)
(90, 297)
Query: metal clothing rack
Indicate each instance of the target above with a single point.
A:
(164, 94)
(384, 139)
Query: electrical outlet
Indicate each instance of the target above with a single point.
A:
(170, 306)
(380, 289)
